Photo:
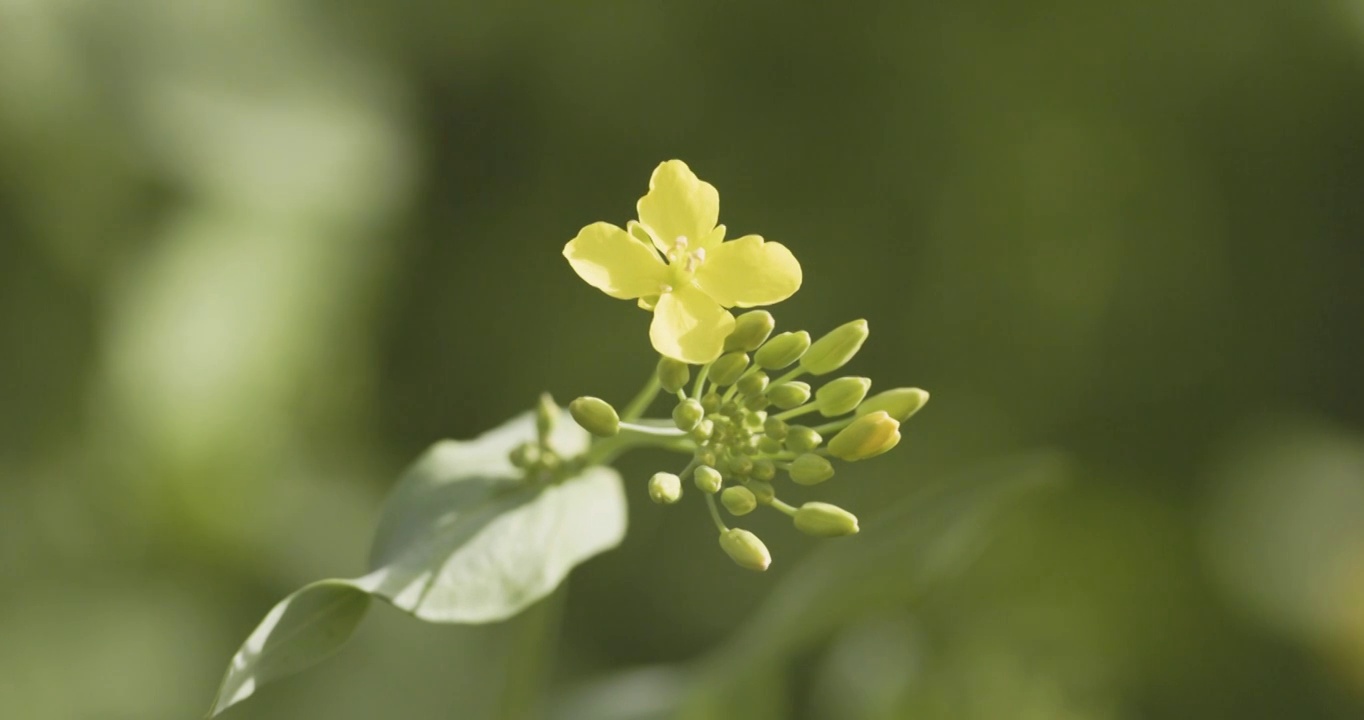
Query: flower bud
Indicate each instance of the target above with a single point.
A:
(811, 469)
(867, 436)
(665, 488)
(762, 490)
(825, 520)
(757, 402)
(789, 394)
(802, 439)
(705, 456)
(595, 416)
(546, 413)
(710, 402)
(745, 549)
(740, 465)
(525, 455)
(738, 500)
(769, 445)
(899, 403)
(753, 385)
(842, 395)
(703, 430)
(764, 469)
(728, 368)
(834, 350)
(708, 479)
(673, 374)
(687, 415)
(750, 331)
(775, 428)
(782, 350)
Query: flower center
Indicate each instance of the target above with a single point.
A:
(684, 262)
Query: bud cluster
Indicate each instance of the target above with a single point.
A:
(741, 418)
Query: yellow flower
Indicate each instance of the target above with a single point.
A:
(698, 276)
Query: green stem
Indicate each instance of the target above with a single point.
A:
(654, 430)
(829, 427)
(641, 402)
(788, 377)
(805, 409)
(700, 385)
(715, 513)
(533, 637)
(605, 450)
(787, 509)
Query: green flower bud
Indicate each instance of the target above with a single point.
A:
(764, 469)
(834, 350)
(740, 465)
(665, 488)
(731, 410)
(789, 394)
(775, 428)
(738, 500)
(687, 415)
(728, 368)
(525, 455)
(703, 430)
(825, 520)
(546, 413)
(673, 374)
(753, 385)
(595, 416)
(762, 490)
(802, 439)
(768, 445)
(900, 403)
(782, 350)
(754, 421)
(867, 437)
(811, 469)
(756, 402)
(708, 479)
(710, 402)
(750, 331)
(745, 549)
(750, 448)
(705, 456)
(842, 395)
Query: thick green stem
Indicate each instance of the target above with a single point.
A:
(805, 409)
(715, 513)
(787, 509)
(641, 402)
(829, 427)
(605, 450)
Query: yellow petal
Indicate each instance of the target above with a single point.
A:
(749, 272)
(679, 205)
(689, 326)
(615, 263)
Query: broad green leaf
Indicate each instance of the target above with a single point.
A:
(302, 630)
(461, 539)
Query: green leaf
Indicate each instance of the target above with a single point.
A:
(302, 630)
(461, 539)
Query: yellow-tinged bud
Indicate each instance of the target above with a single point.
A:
(705, 456)
(687, 415)
(764, 469)
(745, 549)
(740, 465)
(789, 394)
(825, 520)
(595, 416)
(708, 479)
(673, 374)
(750, 331)
(665, 488)
(900, 403)
(728, 368)
(753, 385)
(867, 437)
(769, 445)
(738, 500)
(775, 428)
(834, 350)
(703, 430)
(782, 350)
(842, 395)
(802, 439)
(811, 469)
(546, 413)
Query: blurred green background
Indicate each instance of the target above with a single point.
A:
(256, 255)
